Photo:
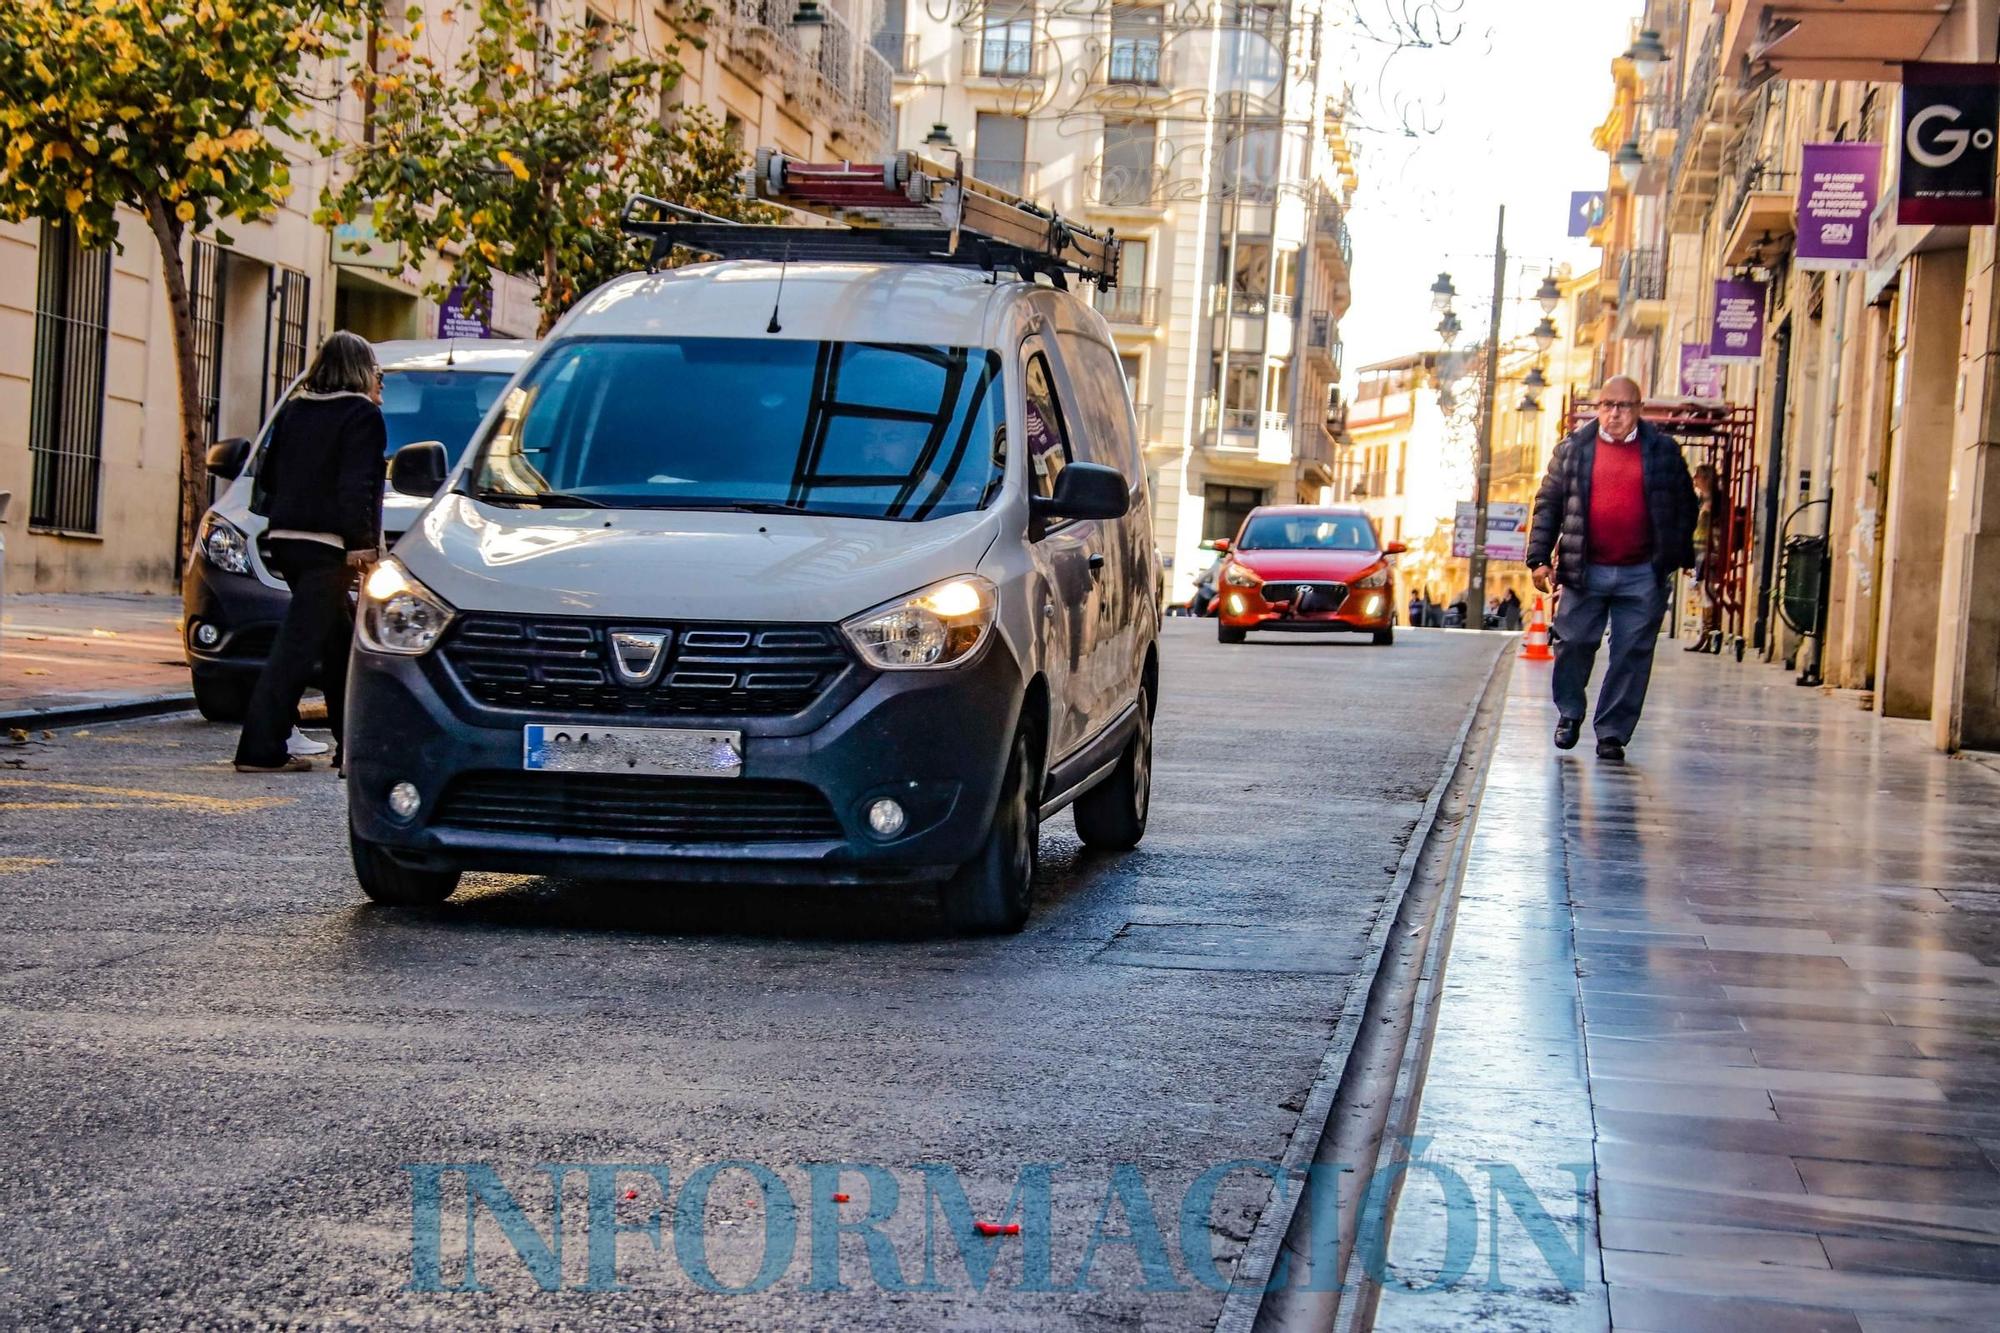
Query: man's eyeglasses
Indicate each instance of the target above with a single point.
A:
(1617, 405)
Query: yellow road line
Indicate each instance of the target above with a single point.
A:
(225, 805)
(14, 865)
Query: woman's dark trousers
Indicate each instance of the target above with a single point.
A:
(318, 630)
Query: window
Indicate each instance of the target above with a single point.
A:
(866, 430)
(1048, 438)
(999, 150)
(291, 291)
(1225, 508)
(442, 405)
(1135, 44)
(1128, 161)
(66, 408)
(1103, 431)
(1007, 39)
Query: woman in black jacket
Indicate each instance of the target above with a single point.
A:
(319, 488)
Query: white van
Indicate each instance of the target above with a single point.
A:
(827, 572)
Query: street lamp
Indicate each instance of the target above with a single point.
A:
(1647, 54)
(1441, 293)
(810, 21)
(1535, 379)
(1630, 162)
(1545, 333)
(1549, 295)
(1530, 405)
(1449, 328)
(939, 138)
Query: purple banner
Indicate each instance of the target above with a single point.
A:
(1837, 190)
(1737, 334)
(1700, 376)
(459, 318)
(1586, 210)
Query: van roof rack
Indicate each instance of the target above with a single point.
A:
(907, 210)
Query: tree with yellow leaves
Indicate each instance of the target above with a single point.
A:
(510, 145)
(177, 109)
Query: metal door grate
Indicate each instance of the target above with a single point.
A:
(66, 411)
(291, 291)
(205, 298)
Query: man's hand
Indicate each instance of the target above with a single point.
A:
(1540, 575)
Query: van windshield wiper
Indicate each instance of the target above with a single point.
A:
(741, 507)
(546, 499)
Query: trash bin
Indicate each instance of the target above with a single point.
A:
(1802, 580)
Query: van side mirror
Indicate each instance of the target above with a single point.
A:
(1394, 548)
(1086, 490)
(418, 469)
(227, 457)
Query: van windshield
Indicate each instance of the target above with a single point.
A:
(867, 430)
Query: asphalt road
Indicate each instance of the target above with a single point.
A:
(235, 1093)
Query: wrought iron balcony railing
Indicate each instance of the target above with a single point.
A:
(1129, 305)
(1117, 185)
(1005, 174)
(1002, 54)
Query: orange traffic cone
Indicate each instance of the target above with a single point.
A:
(1535, 646)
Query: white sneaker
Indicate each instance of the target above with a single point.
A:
(299, 743)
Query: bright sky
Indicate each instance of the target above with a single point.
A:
(1513, 100)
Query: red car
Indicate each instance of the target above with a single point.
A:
(1307, 568)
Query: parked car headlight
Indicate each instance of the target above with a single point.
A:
(398, 614)
(933, 627)
(1238, 576)
(225, 545)
(1378, 578)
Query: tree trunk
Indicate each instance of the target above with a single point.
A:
(167, 231)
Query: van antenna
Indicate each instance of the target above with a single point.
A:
(450, 352)
(783, 264)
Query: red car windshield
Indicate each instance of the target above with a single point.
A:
(1307, 532)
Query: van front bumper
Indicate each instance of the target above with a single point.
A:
(934, 741)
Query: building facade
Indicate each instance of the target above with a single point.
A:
(89, 428)
(1213, 143)
(1877, 391)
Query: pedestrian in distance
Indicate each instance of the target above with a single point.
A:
(1614, 518)
(1510, 611)
(319, 489)
(1416, 609)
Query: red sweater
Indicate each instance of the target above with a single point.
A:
(1621, 532)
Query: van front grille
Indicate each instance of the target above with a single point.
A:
(638, 808)
(710, 670)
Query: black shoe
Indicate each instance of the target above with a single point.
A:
(1608, 748)
(1567, 731)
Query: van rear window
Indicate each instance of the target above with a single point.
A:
(868, 430)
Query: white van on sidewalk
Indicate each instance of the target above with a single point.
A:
(837, 572)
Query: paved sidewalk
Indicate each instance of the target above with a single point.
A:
(72, 650)
(1778, 1046)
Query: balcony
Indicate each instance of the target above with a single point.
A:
(898, 48)
(1138, 63)
(1129, 305)
(1330, 224)
(1836, 41)
(1762, 213)
(1002, 56)
(1700, 131)
(1117, 185)
(1642, 292)
(1003, 174)
(1240, 302)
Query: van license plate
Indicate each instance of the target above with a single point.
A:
(656, 750)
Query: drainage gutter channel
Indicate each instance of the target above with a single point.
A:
(1372, 1077)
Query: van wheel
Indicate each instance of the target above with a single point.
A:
(386, 881)
(992, 893)
(1224, 634)
(1112, 815)
(222, 696)
(1385, 636)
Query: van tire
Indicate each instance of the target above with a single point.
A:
(1224, 634)
(222, 696)
(1111, 816)
(387, 881)
(1385, 636)
(993, 893)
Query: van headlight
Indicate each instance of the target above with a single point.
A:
(398, 614)
(225, 546)
(933, 627)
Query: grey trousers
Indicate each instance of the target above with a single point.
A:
(1632, 600)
